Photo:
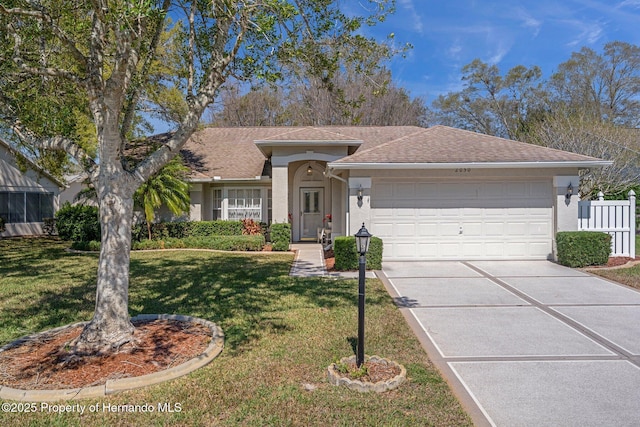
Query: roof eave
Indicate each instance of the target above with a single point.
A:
(477, 165)
(266, 146)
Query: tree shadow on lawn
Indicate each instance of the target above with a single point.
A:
(244, 295)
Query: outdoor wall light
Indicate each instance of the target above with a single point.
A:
(569, 192)
(309, 169)
(360, 193)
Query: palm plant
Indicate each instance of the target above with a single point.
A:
(167, 187)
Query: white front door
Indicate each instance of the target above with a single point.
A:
(311, 211)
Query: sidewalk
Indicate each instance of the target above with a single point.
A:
(309, 262)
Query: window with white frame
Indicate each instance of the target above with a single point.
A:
(217, 203)
(244, 203)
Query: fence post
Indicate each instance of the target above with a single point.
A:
(632, 225)
(600, 196)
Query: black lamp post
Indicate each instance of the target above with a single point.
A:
(362, 246)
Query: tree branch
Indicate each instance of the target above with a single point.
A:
(134, 95)
(41, 15)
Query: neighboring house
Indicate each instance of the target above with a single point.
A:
(27, 196)
(429, 193)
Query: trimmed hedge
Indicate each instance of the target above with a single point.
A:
(182, 229)
(280, 236)
(216, 228)
(582, 248)
(344, 249)
(78, 223)
(221, 243)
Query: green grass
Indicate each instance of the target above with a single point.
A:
(281, 333)
(627, 276)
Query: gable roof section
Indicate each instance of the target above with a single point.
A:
(442, 146)
(232, 153)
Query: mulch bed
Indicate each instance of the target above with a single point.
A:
(329, 260)
(45, 364)
(616, 262)
(376, 371)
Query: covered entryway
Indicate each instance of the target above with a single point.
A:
(463, 220)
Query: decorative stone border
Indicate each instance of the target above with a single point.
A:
(337, 378)
(121, 384)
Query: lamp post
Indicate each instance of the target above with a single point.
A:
(362, 246)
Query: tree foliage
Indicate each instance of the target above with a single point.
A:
(350, 99)
(76, 77)
(590, 106)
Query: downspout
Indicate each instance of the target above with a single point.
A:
(329, 174)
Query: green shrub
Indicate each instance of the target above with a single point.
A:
(78, 223)
(344, 249)
(216, 228)
(2, 222)
(280, 236)
(92, 245)
(49, 226)
(183, 229)
(582, 248)
(221, 243)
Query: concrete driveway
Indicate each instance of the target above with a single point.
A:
(526, 343)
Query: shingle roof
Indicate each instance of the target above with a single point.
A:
(442, 144)
(231, 153)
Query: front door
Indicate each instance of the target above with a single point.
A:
(311, 212)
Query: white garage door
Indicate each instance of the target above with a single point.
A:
(479, 220)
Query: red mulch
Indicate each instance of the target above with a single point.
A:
(45, 364)
(329, 260)
(616, 262)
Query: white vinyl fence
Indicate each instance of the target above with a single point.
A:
(616, 217)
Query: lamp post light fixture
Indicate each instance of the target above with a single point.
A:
(363, 237)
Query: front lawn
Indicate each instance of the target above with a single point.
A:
(627, 276)
(281, 334)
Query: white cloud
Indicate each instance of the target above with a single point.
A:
(497, 56)
(528, 21)
(629, 3)
(589, 33)
(416, 18)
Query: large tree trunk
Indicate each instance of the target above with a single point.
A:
(111, 326)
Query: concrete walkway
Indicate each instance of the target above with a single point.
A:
(309, 262)
(526, 343)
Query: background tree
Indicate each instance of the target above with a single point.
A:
(104, 61)
(580, 133)
(491, 103)
(590, 106)
(604, 86)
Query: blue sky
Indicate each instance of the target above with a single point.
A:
(449, 34)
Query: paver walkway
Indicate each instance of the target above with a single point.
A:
(309, 262)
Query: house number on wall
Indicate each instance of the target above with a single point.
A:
(463, 170)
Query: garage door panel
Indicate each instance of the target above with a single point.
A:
(498, 220)
(405, 229)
